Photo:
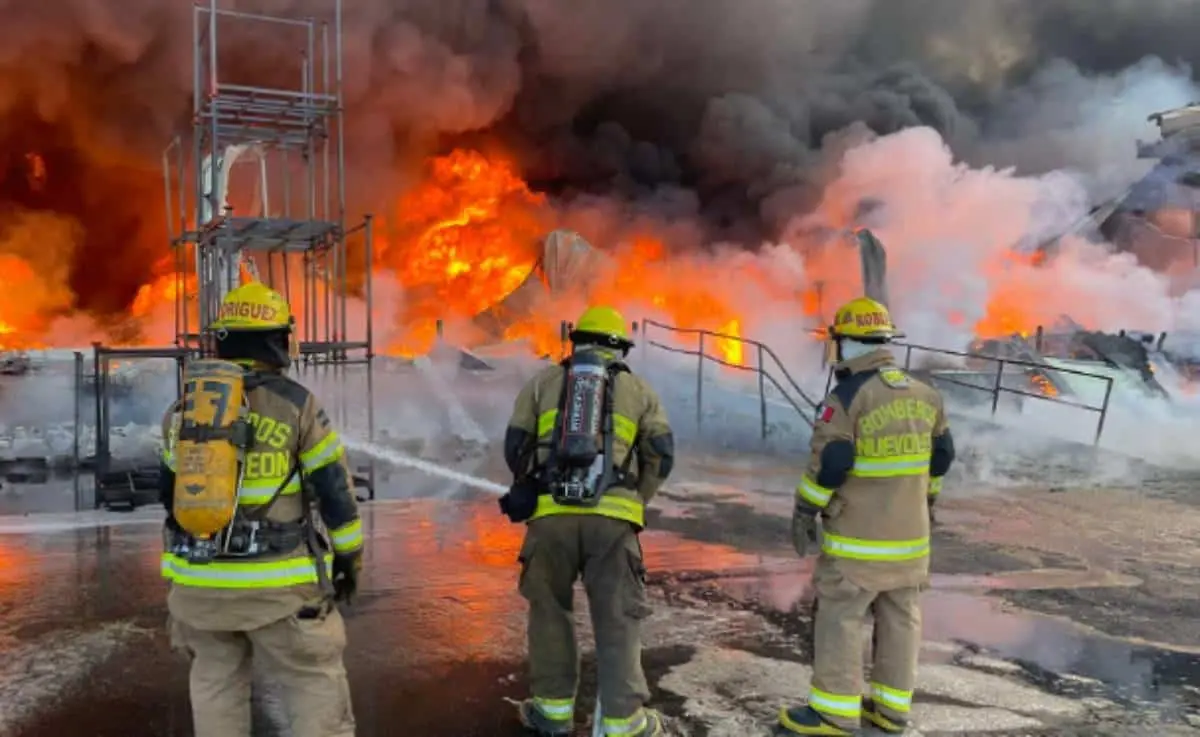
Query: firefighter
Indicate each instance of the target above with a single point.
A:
(268, 592)
(880, 448)
(589, 445)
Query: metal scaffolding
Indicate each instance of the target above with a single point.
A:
(265, 182)
(256, 188)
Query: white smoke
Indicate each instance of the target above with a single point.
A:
(959, 240)
(1088, 123)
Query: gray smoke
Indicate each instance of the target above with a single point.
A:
(717, 108)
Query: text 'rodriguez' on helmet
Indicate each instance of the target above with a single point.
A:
(863, 318)
(253, 306)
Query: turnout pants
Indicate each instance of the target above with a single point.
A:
(841, 608)
(607, 554)
(303, 655)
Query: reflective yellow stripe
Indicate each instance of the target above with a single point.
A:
(888, 466)
(168, 457)
(892, 550)
(617, 507)
(635, 724)
(348, 537)
(246, 574)
(323, 453)
(545, 422)
(560, 710)
(892, 698)
(260, 491)
(624, 428)
(847, 706)
(813, 493)
(935, 486)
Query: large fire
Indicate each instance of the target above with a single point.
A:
(1014, 307)
(463, 239)
(471, 233)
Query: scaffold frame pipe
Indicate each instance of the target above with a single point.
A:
(297, 240)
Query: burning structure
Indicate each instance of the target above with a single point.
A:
(520, 163)
(465, 150)
(290, 229)
(1156, 218)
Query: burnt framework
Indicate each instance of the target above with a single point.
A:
(256, 189)
(130, 482)
(265, 180)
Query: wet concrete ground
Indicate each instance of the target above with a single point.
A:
(436, 639)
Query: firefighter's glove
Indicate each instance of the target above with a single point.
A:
(932, 514)
(520, 503)
(804, 529)
(345, 576)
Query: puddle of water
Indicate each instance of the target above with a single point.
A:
(441, 576)
(1132, 670)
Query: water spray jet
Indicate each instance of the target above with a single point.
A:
(388, 455)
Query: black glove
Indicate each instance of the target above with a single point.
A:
(804, 528)
(345, 576)
(520, 503)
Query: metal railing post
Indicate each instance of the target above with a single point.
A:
(762, 392)
(997, 387)
(700, 384)
(907, 357)
(75, 465)
(1108, 385)
(371, 424)
(99, 445)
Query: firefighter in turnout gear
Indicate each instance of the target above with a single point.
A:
(880, 449)
(250, 462)
(589, 445)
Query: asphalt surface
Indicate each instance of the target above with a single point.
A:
(437, 636)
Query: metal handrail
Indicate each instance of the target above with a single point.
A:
(102, 357)
(764, 375)
(997, 386)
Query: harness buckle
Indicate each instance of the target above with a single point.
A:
(574, 493)
(244, 540)
(197, 552)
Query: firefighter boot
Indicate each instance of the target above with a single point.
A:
(806, 720)
(646, 723)
(874, 718)
(538, 723)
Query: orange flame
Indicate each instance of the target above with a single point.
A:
(467, 237)
(1016, 306)
(731, 348)
(472, 233)
(1044, 385)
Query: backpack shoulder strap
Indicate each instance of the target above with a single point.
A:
(255, 380)
(562, 392)
(615, 368)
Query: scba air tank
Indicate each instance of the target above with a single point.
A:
(581, 438)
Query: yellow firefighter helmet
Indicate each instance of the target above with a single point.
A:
(864, 318)
(604, 323)
(253, 306)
